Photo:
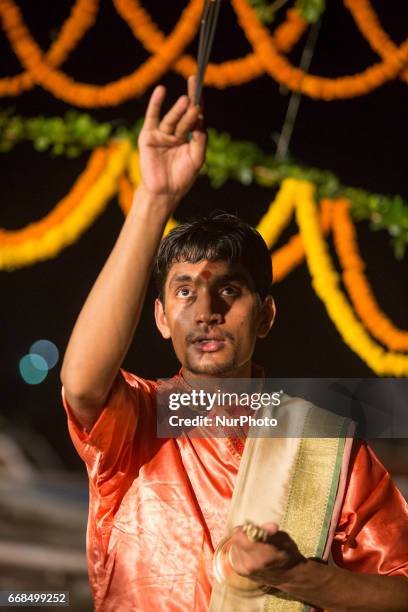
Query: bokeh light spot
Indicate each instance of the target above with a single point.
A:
(33, 369)
(47, 350)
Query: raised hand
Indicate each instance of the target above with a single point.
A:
(169, 161)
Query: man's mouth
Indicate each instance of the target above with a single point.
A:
(208, 343)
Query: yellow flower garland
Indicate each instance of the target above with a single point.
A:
(278, 214)
(291, 254)
(357, 285)
(105, 174)
(67, 230)
(94, 169)
(325, 281)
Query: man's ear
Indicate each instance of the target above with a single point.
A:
(161, 320)
(266, 316)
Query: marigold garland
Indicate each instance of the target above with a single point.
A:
(270, 226)
(226, 159)
(369, 25)
(233, 72)
(316, 87)
(37, 229)
(134, 168)
(274, 221)
(42, 68)
(278, 214)
(82, 17)
(357, 285)
(65, 228)
(292, 254)
(82, 94)
(105, 175)
(125, 194)
(94, 169)
(325, 281)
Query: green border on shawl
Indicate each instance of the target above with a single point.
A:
(334, 427)
(333, 491)
(332, 494)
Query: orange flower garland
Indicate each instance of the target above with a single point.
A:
(125, 195)
(42, 68)
(316, 87)
(326, 284)
(72, 216)
(233, 72)
(82, 17)
(108, 168)
(369, 25)
(81, 94)
(94, 169)
(357, 285)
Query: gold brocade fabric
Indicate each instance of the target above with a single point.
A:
(301, 475)
(158, 508)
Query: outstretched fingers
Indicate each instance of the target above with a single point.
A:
(152, 117)
(169, 122)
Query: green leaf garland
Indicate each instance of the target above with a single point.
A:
(226, 159)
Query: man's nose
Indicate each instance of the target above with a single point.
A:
(207, 309)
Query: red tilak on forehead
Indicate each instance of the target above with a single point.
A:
(205, 274)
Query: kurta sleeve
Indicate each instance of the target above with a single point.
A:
(372, 533)
(116, 445)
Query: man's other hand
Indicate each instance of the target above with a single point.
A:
(269, 563)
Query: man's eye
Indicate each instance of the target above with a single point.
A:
(230, 290)
(183, 292)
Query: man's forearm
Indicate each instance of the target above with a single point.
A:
(109, 317)
(337, 589)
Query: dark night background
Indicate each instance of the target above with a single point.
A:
(362, 140)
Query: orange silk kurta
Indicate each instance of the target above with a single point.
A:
(158, 508)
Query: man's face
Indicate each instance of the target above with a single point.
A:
(213, 316)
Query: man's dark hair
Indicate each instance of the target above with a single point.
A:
(217, 237)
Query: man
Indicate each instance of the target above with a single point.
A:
(158, 507)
